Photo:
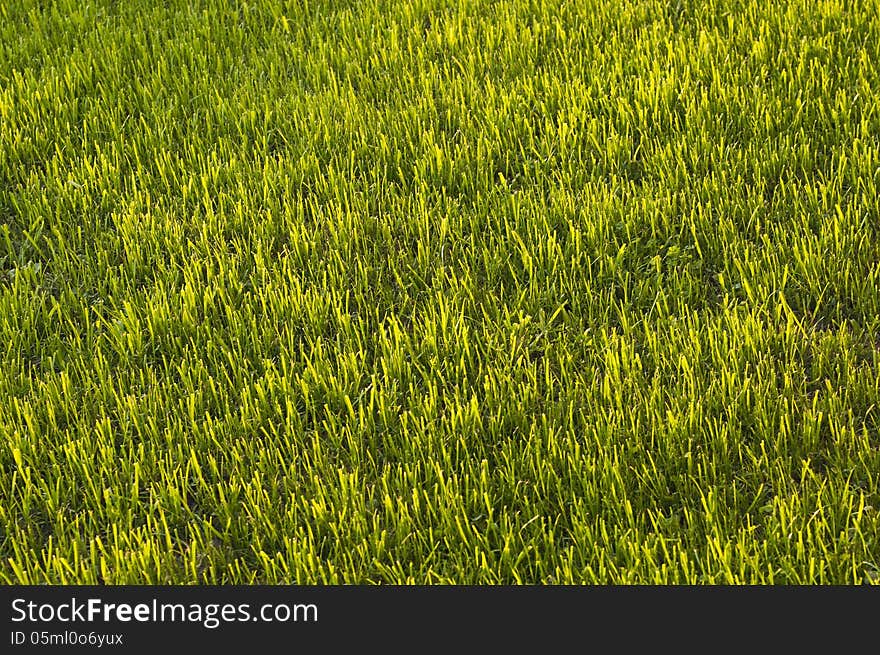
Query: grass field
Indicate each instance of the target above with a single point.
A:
(440, 291)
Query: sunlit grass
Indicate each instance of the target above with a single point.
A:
(440, 291)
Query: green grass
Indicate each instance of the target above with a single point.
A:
(440, 291)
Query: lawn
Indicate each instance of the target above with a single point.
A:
(440, 291)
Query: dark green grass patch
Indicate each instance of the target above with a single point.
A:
(437, 291)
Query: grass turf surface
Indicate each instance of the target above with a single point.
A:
(436, 291)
